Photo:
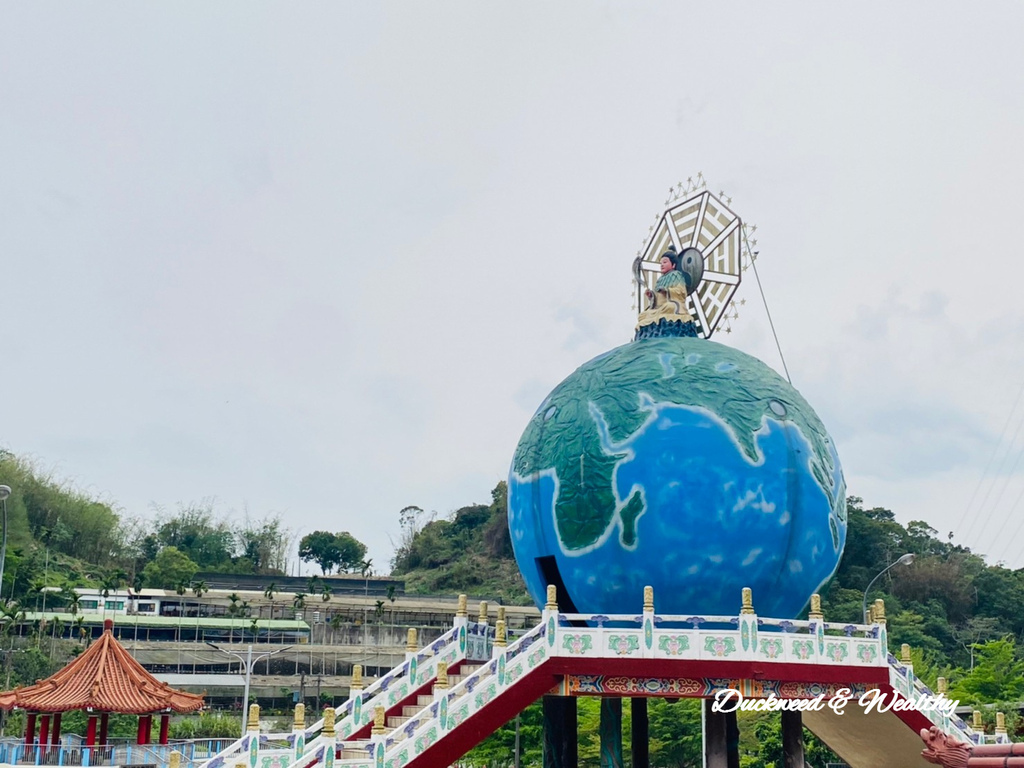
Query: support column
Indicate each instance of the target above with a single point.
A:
(30, 729)
(732, 740)
(792, 739)
(104, 722)
(640, 744)
(140, 731)
(721, 738)
(44, 730)
(90, 732)
(55, 738)
(611, 732)
(560, 732)
(165, 724)
(148, 735)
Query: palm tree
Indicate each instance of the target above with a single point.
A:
(269, 594)
(199, 589)
(233, 610)
(79, 622)
(299, 603)
(312, 583)
(327, 594)
(74, 603)
(181, 589)
(336, 621)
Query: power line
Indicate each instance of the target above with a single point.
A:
(1009, 542)
(988, 467)
(995, 504)
(753, 265)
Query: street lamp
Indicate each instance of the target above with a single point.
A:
(5, 491)
(249, 661)
(906, 559)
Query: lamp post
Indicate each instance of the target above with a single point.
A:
(249, 661)
(906, 559)
(5, 491)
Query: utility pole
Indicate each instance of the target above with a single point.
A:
(248, 661)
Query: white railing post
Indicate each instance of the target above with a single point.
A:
(299, 732)
(411, 648)
(748, 625)
(647, 624)
(355, 695)
(253, 728)
(328, 737)
(549, 617)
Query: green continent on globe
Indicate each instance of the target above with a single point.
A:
(612, 396)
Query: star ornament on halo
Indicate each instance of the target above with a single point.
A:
(697, 221)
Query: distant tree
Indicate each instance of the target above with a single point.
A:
(322, 548)
(170, 568)
(998, 675)
(194, 531)
(326, 594)
(352, 551)
(332, 550)
(266, 543)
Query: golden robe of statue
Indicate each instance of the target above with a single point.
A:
(668, 301)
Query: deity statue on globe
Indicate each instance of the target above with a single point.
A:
(675, 461)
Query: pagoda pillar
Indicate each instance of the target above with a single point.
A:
(165, 723)
(104, 722)
(90, 732)
(44, 730)
(55, 738)
(640, 745)
(140, 733)
(30, 729)
(149, 730)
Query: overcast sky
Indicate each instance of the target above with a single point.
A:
(327, 259)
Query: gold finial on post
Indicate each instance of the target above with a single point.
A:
(879, 612)
(300, 717)
(175, 760)
(905, 653)
(378, 721)
(552, 604)
(482, 616)
(500, 639)
(976, 721)
(254, 718)
(357, 677)
(501, 613)
(410, 640)
(328, 729)
(748, 601)
(463, 609)
(649, 599)
(442, 675)
(940, 684)
(1000, 724)
(815, 613)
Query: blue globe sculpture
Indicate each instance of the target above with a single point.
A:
(682, 464)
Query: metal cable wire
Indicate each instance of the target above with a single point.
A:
(753, 265)
(1002, 465)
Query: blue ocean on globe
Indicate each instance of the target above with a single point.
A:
(681, 464)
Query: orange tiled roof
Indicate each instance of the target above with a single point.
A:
(104, 678)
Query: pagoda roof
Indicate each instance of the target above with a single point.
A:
(104, 678)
